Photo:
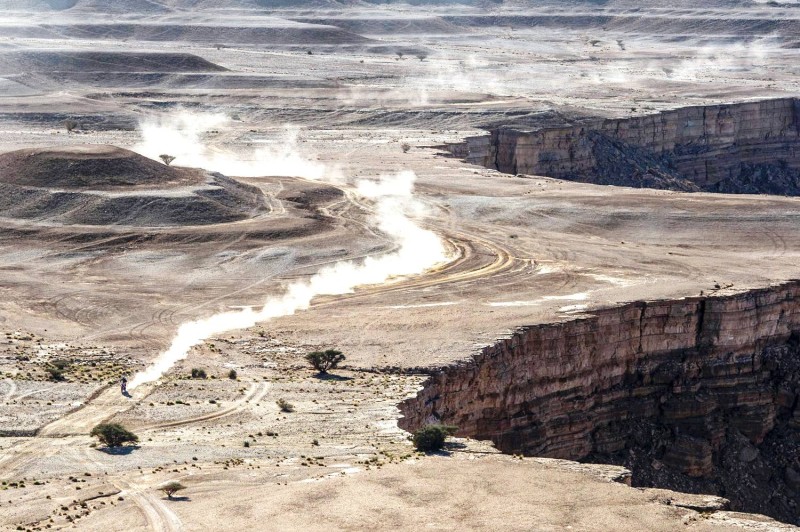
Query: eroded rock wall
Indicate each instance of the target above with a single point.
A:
(699, 394)
(749, 147)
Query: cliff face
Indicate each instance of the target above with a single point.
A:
(697, 395)
(738, 148)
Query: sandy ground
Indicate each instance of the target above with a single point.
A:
(523, 250)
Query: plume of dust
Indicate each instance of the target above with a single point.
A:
(395, 210)
(433, 81)
(183, 135)
(721, 58)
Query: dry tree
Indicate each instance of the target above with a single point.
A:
(322, 361)
(171, 488)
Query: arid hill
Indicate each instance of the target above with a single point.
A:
(100, 185)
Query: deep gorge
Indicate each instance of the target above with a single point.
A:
(700, 394)
(743, 148)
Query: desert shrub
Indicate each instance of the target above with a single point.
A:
(70, 125)
(285, 405)
(171, 488)
(246, 443)
(406, 147)
(113, 434)
(322, 361)
(56, 375)
(60, 364)
(198, 373)
(166, 158)
(232, 375)
(432, 437)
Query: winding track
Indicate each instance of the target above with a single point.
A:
(255, 394)
(12, 389)
(159, 517)
(472, 257)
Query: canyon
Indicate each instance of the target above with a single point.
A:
(697, 394)
(615, 357)
(742, 148)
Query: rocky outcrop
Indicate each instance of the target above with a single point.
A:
(699, 395)
(746, 148)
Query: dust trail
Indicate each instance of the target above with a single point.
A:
(395, 214)
(184, 136)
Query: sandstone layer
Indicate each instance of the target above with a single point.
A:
(744, 148)
(697, 394)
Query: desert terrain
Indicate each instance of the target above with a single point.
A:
(571, 229)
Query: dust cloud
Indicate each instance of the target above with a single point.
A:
(396, 212)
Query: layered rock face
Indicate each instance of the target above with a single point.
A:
(747, 148)
(699, 395)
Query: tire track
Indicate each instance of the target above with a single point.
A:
(472, 258)
(12, 389)
(107, 403)
(255, 394)
(159, 517)
(27, 453)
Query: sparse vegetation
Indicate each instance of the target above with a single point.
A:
(198, 373)
(171, 488)
(166, 158)
(232, 375)
(323, 361)
(422, 56)
(70, 125)
(406, 147)
(55, 370)
(113, 434)
(431, 438)
(285, 405)
(61, 364)
(55, 374)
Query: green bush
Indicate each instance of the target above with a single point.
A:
(431, 437)
(322, 361)
(113, 434)
(198, 373)
(56, 375)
